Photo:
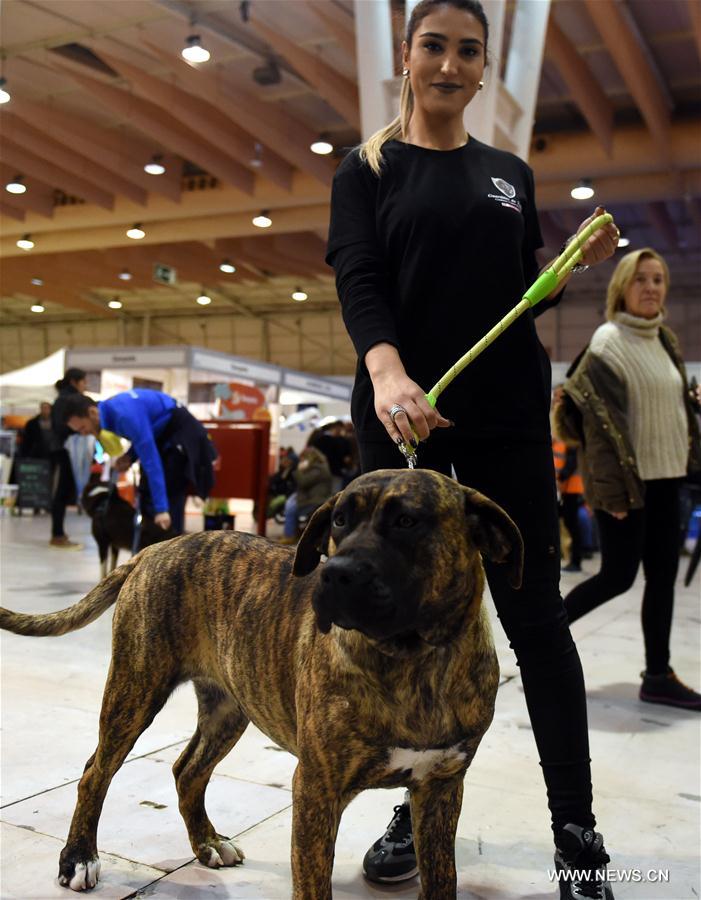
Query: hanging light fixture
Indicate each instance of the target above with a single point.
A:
(262, 220)
(155, 166)
(115, 303)
(257, 160)
(136, 232)
(193, 51)
(37, 308)
(25, 242)
(227, 266)
(204, 299)
(16, 186)
(4, 93)
(583, 190)
(322, 146)
(37, 282)
(299, 295)
(125, 275)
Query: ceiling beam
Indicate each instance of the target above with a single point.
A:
(12, 212)
(695, 16)
(69, 301)
(338, 91)
(205, 118)
(660, 219)
(60, 155)
(586, 91)
(109, 147)
(174, 231)
(25, 161)
(633, 60)
(330, 17)
(622, 189)
(151, 119)
(272, 126)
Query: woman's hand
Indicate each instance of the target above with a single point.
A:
(393, 387)
(603, 242)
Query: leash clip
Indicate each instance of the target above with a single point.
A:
(408, 453)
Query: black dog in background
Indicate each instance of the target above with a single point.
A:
(113, 522)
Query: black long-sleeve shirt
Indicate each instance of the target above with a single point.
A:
(428, 257)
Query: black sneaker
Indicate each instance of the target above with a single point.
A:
(393, 857)
(580, 861)
(668, 690)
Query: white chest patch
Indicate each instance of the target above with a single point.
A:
(421, 762)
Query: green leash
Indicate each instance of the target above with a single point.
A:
(544, 285)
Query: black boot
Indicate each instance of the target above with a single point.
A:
(580, 861)
(668, 690)
(392, 858)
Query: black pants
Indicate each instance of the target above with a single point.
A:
(63, 490)
(174, 472)
(649, 535)
(521, 479)
(570, 516)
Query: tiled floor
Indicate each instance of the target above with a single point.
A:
(645, 762)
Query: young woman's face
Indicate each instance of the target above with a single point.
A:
(446, 61)
(646, 293)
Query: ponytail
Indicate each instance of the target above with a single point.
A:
(371, 150)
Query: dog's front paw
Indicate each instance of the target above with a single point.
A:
(80, 876)
(220, 851)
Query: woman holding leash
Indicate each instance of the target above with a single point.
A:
(433, 237)
(630, 410)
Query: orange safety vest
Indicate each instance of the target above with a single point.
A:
(574, 484)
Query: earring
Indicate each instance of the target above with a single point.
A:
(480, 85)
(405, 72)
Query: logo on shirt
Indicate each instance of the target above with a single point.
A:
(507, 195)
(507, 189)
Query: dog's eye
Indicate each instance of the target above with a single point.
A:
(405, 521)
(339, 520)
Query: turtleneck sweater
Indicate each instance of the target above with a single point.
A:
(657, 423)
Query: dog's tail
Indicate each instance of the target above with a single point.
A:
(73, 617)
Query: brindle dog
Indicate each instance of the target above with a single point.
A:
(376, 669)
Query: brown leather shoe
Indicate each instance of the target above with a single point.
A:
(64, 543)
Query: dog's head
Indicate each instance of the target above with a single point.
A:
(95, 495)
(403, 551)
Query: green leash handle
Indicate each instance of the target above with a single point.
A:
(544, 285)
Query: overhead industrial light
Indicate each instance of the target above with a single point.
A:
(37, 308)
(193, 51)
(37, 282)
(204, 299)
(267, 74)
(25, 242)
(262, 220)
(322, 146)
(115, 304)
(155, 166)
(136, 232)
(299, 295)
(16, 186)
(4, 93)
(125, 275)
(257, 160)
(583, 191)
(226, 266)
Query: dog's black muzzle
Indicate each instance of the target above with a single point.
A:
(352, 595)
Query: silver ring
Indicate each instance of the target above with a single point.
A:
(394, 410)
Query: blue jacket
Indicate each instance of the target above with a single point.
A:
(141, 415)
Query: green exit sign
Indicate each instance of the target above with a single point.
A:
(164, 274)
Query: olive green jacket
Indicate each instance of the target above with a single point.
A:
(593, 416)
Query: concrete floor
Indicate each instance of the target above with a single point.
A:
(645, 764)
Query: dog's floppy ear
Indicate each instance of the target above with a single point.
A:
(315, 539)
(495, 534)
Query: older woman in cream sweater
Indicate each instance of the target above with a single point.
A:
(629, 408)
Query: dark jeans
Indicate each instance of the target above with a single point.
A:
(570, 516)
(520, 478)
(62, 490)
(649, 535)
(174, 472)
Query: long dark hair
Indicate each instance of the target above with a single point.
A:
(371, 150)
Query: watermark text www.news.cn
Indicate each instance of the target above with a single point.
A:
(622, 876)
